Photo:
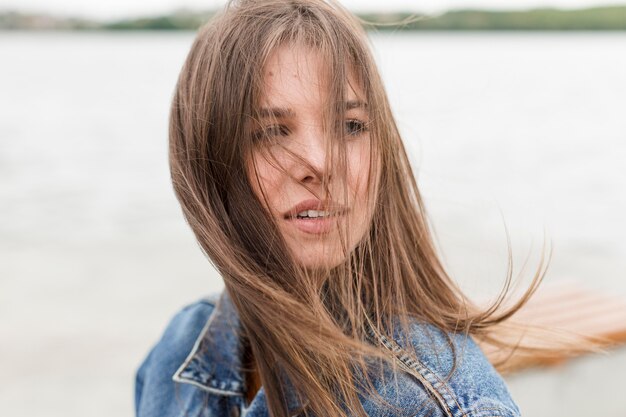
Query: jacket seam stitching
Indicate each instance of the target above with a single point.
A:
(400, 355)
(444, 387)
(501, 411)
(203, 387)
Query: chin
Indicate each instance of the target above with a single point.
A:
(318, 260)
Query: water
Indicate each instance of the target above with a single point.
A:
(525, 131)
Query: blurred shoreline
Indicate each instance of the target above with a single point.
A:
(607, 18)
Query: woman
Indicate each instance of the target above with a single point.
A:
(291, 172)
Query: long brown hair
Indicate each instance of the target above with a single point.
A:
(312, 327)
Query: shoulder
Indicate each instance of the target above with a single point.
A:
(153, 378)
(431, 383)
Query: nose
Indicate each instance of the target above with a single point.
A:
(313, 167)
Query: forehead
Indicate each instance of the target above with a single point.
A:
(299, 73)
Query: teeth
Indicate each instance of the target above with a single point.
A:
(314, 213)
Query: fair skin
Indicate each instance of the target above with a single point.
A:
(294, 95)
(294, 195)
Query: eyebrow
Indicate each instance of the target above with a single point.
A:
(355, 104)
(285, 112)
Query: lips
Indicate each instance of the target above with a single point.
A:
(316, 205)
(322, 215)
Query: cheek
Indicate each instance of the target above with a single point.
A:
(364, 182)
(266, 181)
(359, 170)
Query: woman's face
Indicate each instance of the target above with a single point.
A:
(307, 221)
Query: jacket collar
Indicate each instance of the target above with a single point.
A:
(215, 361)
(214, 364)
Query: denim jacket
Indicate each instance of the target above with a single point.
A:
(194, 370)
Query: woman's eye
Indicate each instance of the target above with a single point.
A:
(355, 127)
(272, 131)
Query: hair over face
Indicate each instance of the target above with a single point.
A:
(311, 326)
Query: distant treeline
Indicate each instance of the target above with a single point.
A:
(597, 18)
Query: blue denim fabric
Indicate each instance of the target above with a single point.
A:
(194, 370)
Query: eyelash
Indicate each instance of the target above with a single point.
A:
(362, 127)
(282, 130)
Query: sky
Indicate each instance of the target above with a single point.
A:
(111, 9)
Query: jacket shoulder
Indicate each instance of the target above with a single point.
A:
(445, 374)
(155, 391)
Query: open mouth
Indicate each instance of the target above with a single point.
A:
(315, 214)
(315, 222)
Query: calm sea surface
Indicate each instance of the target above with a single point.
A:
(524, 133)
